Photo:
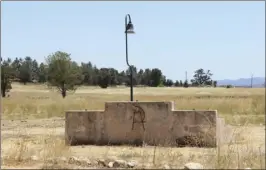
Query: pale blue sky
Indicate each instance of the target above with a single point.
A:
(226, 37)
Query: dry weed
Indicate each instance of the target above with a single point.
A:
(47, 150)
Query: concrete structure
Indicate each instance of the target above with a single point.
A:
(154, 123)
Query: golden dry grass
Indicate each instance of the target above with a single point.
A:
(238, 106)
(38, 102)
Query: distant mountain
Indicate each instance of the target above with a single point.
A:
(257, 82)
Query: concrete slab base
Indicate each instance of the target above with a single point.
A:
(135, 123)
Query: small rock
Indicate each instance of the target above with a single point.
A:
(131, 164)
(101, 162)
(166, 167)
(72, 160)
(193, 165)
(34, 158)
(88, 162)
(119, 163)
(111, 164)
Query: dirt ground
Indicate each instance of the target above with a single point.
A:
(32, 131)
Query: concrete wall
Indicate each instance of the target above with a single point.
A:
(155, 123)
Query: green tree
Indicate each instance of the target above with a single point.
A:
(113, 76)
(62, 73)
(95, 75)
(140, 76)
(214, 83)
(34, 71)
(87, 72)
(156, 77)
(163, 81)
(169, 83)
(104, 78)
(7, 73)
(202, 78)
(25, 70)
(28, 70)
(180, 83)
(177, 83)
(16, 64)
(134, 74)
(146, 78)
(186, 85)
(122, 78)
(42, 73)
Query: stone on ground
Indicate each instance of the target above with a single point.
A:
(193, 165)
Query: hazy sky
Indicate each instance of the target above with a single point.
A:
(226, 37)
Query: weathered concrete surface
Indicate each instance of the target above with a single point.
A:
(156, 123)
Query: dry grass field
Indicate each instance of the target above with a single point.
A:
(32, 128)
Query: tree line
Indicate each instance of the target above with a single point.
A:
(60, 71)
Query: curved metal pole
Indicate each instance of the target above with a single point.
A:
(126, 37)
(130, 66)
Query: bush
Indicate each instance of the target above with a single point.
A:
(229, 86)
(186, 84)
(161, 85)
